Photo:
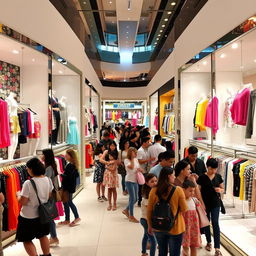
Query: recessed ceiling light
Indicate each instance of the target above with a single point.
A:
(169, 13)
(84, 2)
(205, 62)
(161, 30)
(143, 78)
(223, 55)
(159, 34)
(110, 2)
(165, 35)
(165, 19)
(127, 32)
(163, 26)
(104, 78)
(127, 37)
(143, 18)
(255, 60)
(124, 80)
(242, 67)
(157, 39)
(173, 3)
(60, 72)
(15, 52)
(33, 60)
(234, 46)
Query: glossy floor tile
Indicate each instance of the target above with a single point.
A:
(101, 233)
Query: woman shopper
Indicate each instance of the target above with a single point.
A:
(211, 186)
(132, 166)
(29, 226)
(150, 182)
(122, 156)
(69, 186)
(51, 172)
(171, 240)
(99, 172)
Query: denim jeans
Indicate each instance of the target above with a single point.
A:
(53, 229)
(213, 216)
(123, 182)
(132, 189)
(147, 237)
(166, 242)
(70, 204)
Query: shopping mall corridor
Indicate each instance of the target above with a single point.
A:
(101, 233)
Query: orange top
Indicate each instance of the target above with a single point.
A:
(177, 201)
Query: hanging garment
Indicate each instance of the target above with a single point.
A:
(156, 122)
(201, 114)
(239, 108)
(212, 115)
(229, 123)
(4, 125)
(73, 135)
(37, 131)
(251, 115)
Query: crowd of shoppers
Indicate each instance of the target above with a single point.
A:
(186, 186)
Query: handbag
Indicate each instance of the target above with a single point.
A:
(140, 178)
(121, 168)
(47, 211)
(203, 219)
(64, 195)
(56, 193)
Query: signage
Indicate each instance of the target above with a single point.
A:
(123, 105)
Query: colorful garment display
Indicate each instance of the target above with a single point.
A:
(239, 108)
(200, 114)
(156, 120)
(212, 115)
(168, 124)
(251, 119)
(73, 135)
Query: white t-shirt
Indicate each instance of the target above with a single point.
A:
(143, 155)
(44, 188)
(154, 151)
(131, 173)
(191, 204)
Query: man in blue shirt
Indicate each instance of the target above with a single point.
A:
(165, 159)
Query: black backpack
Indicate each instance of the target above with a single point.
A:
(162, 217)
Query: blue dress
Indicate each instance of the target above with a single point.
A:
(73, 135)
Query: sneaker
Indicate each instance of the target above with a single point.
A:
(218, 253)
(104, 198)
(100, 199)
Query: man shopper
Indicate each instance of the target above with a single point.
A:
(156, 149)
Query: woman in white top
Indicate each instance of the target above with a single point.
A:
(122, 156)
(29, 226)
(132, 166)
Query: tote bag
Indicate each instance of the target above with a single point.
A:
(203, 219)
(140, 178)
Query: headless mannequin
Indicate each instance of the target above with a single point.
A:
(62, 135)
(12, 109)
(33, 144)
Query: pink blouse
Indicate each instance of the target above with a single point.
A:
(239, 108)
(212, 115)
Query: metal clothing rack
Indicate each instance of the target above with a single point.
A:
(230, 151)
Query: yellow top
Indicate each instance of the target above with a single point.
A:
(241, 175)
(200, 114)
(177, 200)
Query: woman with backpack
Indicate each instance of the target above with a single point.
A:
(168, 202)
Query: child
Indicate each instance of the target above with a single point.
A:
(111, 179)
(150, 182)
(191, 237)
(99, 172)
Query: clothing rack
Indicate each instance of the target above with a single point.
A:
(5, 163)
(234, 152)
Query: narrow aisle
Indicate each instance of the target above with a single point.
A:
(101, 233)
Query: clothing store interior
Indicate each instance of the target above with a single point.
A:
(127, 127)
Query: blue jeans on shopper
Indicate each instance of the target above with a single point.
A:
(147, 237)
(70, 204)
(166, 242)
(132, 189)
(53, 232)
(213, 216)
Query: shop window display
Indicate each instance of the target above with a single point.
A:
(154, 115)
(225, 117)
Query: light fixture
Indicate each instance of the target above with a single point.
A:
(129, 5)
(127, 32)
(157, 39)
(84, 2)
(15, 52)
(173, 3)
(110, 2)
(255, 60)
(124, 80)
(205, 63)
(161, 31)
(53, 63)
(241, 67)
(104, 78)
(163, 26)
(143, 78)
(223, 55)
(127, 26)
(129, 18)
(234, 46)
(60, 72)
(33, 60)
(155, 42)
(127, 37)
(169, 13)
(159, 34)
(165, 19)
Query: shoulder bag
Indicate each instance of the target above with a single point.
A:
(203, 219)
(140, 178)
(47, 211)
(56, 193)
(121, 168)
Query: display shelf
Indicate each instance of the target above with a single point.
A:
(109, 108)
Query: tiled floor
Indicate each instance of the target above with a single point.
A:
(101, 233)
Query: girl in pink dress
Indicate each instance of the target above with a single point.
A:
(191, 237)
(111, 180)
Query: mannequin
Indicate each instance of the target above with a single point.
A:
(14, 121)
(87, 121)
(34, 138)
(63, 131)
(53, 101)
